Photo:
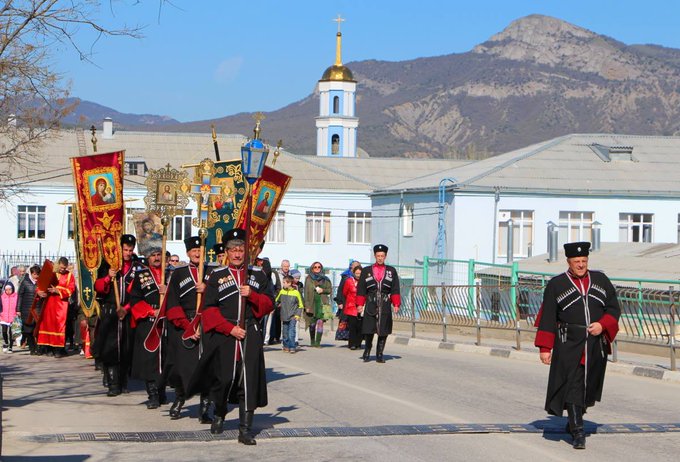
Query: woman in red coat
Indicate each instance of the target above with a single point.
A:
(349, 291)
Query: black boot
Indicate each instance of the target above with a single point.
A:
(575, 418)
(379, 350)
(203, 409)
(367, 350)
(152, 390)
(176, 408)
(217, 424)
(162, 396)
(113, 381)
(245, 419)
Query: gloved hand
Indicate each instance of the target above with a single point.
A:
(318, 290)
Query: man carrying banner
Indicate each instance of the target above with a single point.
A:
(181, 305)
(145, 300)
(52, 330)
(232, 363)
(111, 345)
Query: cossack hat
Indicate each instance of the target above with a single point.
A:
(152, 249)
(234, 234)
(128, 239)
(193, 242)
(379, 248)
(577, 249)
(218, 248)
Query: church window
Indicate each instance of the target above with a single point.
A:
(335, 144)
(359, 227)
(575, 227)
(31, 222)
(636, 227)
(336, 104)
(318, 228)
(522, 232)
(276, 231)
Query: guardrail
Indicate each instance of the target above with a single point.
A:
(648, 316)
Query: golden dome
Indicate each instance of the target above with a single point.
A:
(338, 73)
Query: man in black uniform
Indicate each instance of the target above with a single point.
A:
(145, 301)
(377, 296)
(577, 322)
(182, 355)
(113, 335)
(232, 365)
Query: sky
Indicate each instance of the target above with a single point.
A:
(204, 59)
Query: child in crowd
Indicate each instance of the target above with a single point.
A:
(8, 305)
(290, 303)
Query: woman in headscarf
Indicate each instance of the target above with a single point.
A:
(318, 289)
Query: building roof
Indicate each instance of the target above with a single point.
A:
(635, 260)
(592, 164)
(52, 166)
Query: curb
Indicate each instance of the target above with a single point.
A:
(501, 352)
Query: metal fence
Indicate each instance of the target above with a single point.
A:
(648, 316)
(8, 260)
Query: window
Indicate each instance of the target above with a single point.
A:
(335, 144)
(276, 232)
(180, 226)
(318, 228)
(31, 222)
(407, 219)
(359, 227)
(69, 222)
(522, 232)
(575, 227)
(635, 227)
(135, 168)
(336, 104)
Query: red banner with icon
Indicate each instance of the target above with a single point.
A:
(100, 208)
(267, 193)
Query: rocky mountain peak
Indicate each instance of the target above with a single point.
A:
(546, 40)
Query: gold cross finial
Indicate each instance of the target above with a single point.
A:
(259, 117)
(339, 20)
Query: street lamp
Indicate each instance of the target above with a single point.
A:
(253, 158)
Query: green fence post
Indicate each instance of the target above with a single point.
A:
(471, 288)
(426, 270)
(513, 288)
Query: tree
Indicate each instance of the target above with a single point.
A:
(32, 94)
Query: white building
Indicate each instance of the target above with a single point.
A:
(325, 215)
(628, 184)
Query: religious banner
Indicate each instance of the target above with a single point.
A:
(267, 194)
(225, 205)
(85, 277)
(149, 231)
(100, 211)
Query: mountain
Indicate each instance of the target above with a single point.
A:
(537, 79)
(87, 113)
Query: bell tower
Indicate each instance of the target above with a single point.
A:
(336, 125)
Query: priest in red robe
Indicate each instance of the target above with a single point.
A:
(52, 331)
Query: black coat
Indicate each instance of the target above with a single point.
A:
(25, 296)
(562, 323)
(144, 296)
(181, 356)
(377, 316)
(218, 368)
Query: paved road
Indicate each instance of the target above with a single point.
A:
(330, 390)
